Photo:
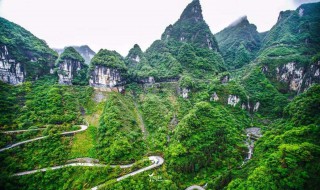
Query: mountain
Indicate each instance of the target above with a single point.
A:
(71, 68)
(289, 53)
(139, 69)
(191, 28)
(85, 51)
(186, 48)
(107, 69)
(23, 56)
(250, 121)
(239, 43)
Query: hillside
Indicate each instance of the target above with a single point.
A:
(235, 110)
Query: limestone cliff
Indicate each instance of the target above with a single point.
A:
(10, 71)
(69, 65)
(107, 70)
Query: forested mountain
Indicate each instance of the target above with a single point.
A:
(85, 51)
(239, 43)
(23, 56)
(235, 110)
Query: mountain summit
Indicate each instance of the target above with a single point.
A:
(239, 43)
(191, 28)
(192, 12)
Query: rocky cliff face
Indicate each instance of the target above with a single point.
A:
(23, 55)
(296, 77)
(10, 71)
(70, 65)
(67, 71)
(103, 76)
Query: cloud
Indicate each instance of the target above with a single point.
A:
(234, 23)
(299, 2)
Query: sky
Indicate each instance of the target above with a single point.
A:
(119, 24)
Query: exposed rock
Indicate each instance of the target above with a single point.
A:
(69, 65)
(149, 80)
(264, 69)
(214, 97)
(256, 107)
(233, 100)
(10, 71)
(224, 79)
(104, 77)
(297, 77)
(185, 93)
(67, 70)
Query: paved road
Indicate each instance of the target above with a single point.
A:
(21, 131)
(156, 161)
(195, 187)
(83, 128)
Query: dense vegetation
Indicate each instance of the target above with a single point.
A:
(239, 43)
(108, 58)
(201, 136)
(33, 53)
(79, 69)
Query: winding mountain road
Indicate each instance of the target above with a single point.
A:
(156, 160)
(83, 128)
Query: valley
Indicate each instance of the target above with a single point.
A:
(238, 109)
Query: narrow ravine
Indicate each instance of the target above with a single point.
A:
(253, 134)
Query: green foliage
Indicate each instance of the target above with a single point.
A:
(23, 47)
(119, 136)
(239, 43)
(261, 90)
(205, 137)
(71, 54)
(305, 109)
(108, 58)
(287, 156)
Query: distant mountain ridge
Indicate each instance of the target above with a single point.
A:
(85, 51)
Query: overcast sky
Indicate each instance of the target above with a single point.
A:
(119, 24)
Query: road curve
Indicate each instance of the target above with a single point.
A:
(195, 187)
(83, 128)
(156, 161)
(21, 131)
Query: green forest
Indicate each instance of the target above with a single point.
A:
(238, 109)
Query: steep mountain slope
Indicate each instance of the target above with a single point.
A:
(186, 47)
(239, 43)
(139, 69)
(290, 51)
(71, 68)
(191, 28)
(179, 103)
(23, 56)
(107, 69)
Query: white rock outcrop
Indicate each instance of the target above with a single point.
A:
(185, 93)
(233, 100)
(11, 71)
(67, 70)
(103, 76)
(214, 97)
